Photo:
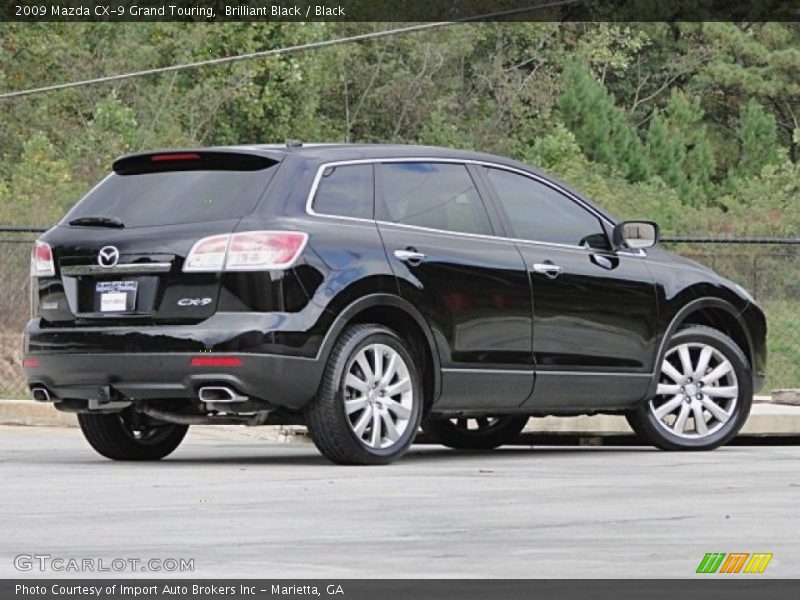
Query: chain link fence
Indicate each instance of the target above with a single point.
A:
(15, 256)
(769, 269)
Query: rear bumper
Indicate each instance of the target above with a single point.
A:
(281, 357)
(281, 381)
(272, 333)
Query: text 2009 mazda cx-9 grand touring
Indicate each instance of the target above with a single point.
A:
(365, 290)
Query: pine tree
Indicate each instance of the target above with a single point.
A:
(586, 108)
(680, 151)
(685, 118)
(600, 127)
(700, 165)
(631, 158)
(666, 154)
(757, 138)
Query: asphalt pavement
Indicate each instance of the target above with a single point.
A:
(238, 506)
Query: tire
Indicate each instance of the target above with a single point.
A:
(715, 386)
(490, 432)
(129, 435)
(354, 422)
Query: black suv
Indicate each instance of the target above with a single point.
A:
(365, 290)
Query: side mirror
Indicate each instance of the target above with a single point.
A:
(635, 235)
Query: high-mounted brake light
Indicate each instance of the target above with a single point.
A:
(42, 264)
(215, 361)
(246, 251)
(175, 156)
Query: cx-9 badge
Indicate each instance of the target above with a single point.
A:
(194, 301)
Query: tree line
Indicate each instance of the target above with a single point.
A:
(695, 125)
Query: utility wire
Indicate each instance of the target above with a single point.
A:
(287, 49)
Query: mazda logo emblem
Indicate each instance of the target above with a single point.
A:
(108, 256)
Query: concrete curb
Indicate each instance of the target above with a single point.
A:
(765, 420)
(29, 412)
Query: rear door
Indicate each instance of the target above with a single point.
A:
(120, 252)
(471, 286)
(594, 310)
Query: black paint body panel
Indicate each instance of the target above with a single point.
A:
(502, 338)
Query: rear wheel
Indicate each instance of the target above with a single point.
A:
(130, 435)
(703, 395)
(475, 433)
(369, 404)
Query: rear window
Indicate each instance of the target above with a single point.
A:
(172, 197)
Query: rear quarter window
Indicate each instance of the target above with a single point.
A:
(345, 191)
(173, 197)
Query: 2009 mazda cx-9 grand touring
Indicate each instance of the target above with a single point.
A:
(367, 290)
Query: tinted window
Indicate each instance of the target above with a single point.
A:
(173, 197)
(437, 195)
(345, 191)
(539, 213)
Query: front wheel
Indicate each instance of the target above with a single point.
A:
(130, 435)
(703, 395)
(369, 404)
(475, 433)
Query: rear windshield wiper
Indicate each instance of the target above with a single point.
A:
(98, 222)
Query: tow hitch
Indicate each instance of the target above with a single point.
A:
(104, 401)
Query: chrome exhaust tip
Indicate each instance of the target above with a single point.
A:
(214, 394)
(40, 394)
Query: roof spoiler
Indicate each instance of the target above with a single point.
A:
(190, 160)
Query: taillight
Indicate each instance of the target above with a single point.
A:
(264, 250)
(246, 251)
(42, 264)
(208, 254)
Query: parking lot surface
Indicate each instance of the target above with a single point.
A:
(241, 507)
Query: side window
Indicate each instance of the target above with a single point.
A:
(345, 191)
(539, 213)
(436, 195)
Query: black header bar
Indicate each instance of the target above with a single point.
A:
(398, 10)
(707, 587)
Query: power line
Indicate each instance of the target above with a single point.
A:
(286, 50)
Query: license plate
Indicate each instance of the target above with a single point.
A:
(115, 296)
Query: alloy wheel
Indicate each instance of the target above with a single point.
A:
(697, 392)
(378, 396)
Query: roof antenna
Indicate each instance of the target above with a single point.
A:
(294, 144)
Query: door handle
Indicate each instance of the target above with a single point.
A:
(549, 269)
(410, 255)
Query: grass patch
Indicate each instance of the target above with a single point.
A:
(783, 344)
